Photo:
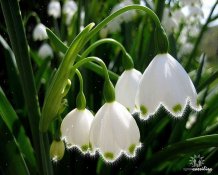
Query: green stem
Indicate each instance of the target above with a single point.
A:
(90, 59)
(19, 44)
(121, 11)
(203, 29)
(63, 48)
(160, 8)
(127, 61)
(80, 100)
(80, 79)
(109, 92)
(32, 14)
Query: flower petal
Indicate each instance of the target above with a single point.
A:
(126, 88)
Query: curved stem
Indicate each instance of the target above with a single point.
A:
(91, 59)
(127, 59)
(99, 42)
(80, 80)
(80, 99)
(108, 91)
(32, 14)
(121, 11)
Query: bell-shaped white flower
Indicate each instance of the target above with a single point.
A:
(114, 131)
(69, 9)
(39, 32)
(45, 51)
(165, 82)
(54, 9)
(75, 129)
(126, 88)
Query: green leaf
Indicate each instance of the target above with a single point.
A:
(16, 129)
(42, 69)
(56, 41)
(13, 75)
(12, 161)
(200, 70)
(35, 57)
(181, 148)
(208, 81)
(16, 33)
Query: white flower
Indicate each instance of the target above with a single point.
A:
(69, 9)
(169, 22)
(178, 15)
(126, 88)
(54, 9)
(114, 131)
(75, 129)
(39, 32)
(114, 26)
(186, 49)
(191, 2)
(127, 16)
(195, 11)
(45, 51)
(165, 82)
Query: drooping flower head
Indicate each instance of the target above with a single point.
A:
(39, 32)
(45, 51)
(126, 88)
(114, 131)
(69, 9)
(54, 9)
(75, 129)
(165, 82)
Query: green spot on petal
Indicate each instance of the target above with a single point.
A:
(128, 109)
(177, 108)
(85, 147)
(109, 155)
(90, 146)
(132, 148)
(198, 102)
(143, 110)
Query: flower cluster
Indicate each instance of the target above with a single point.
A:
(69, 9)
(113, 131)
(174, 22)
(164, 83)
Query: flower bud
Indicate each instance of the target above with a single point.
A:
(57, 150)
